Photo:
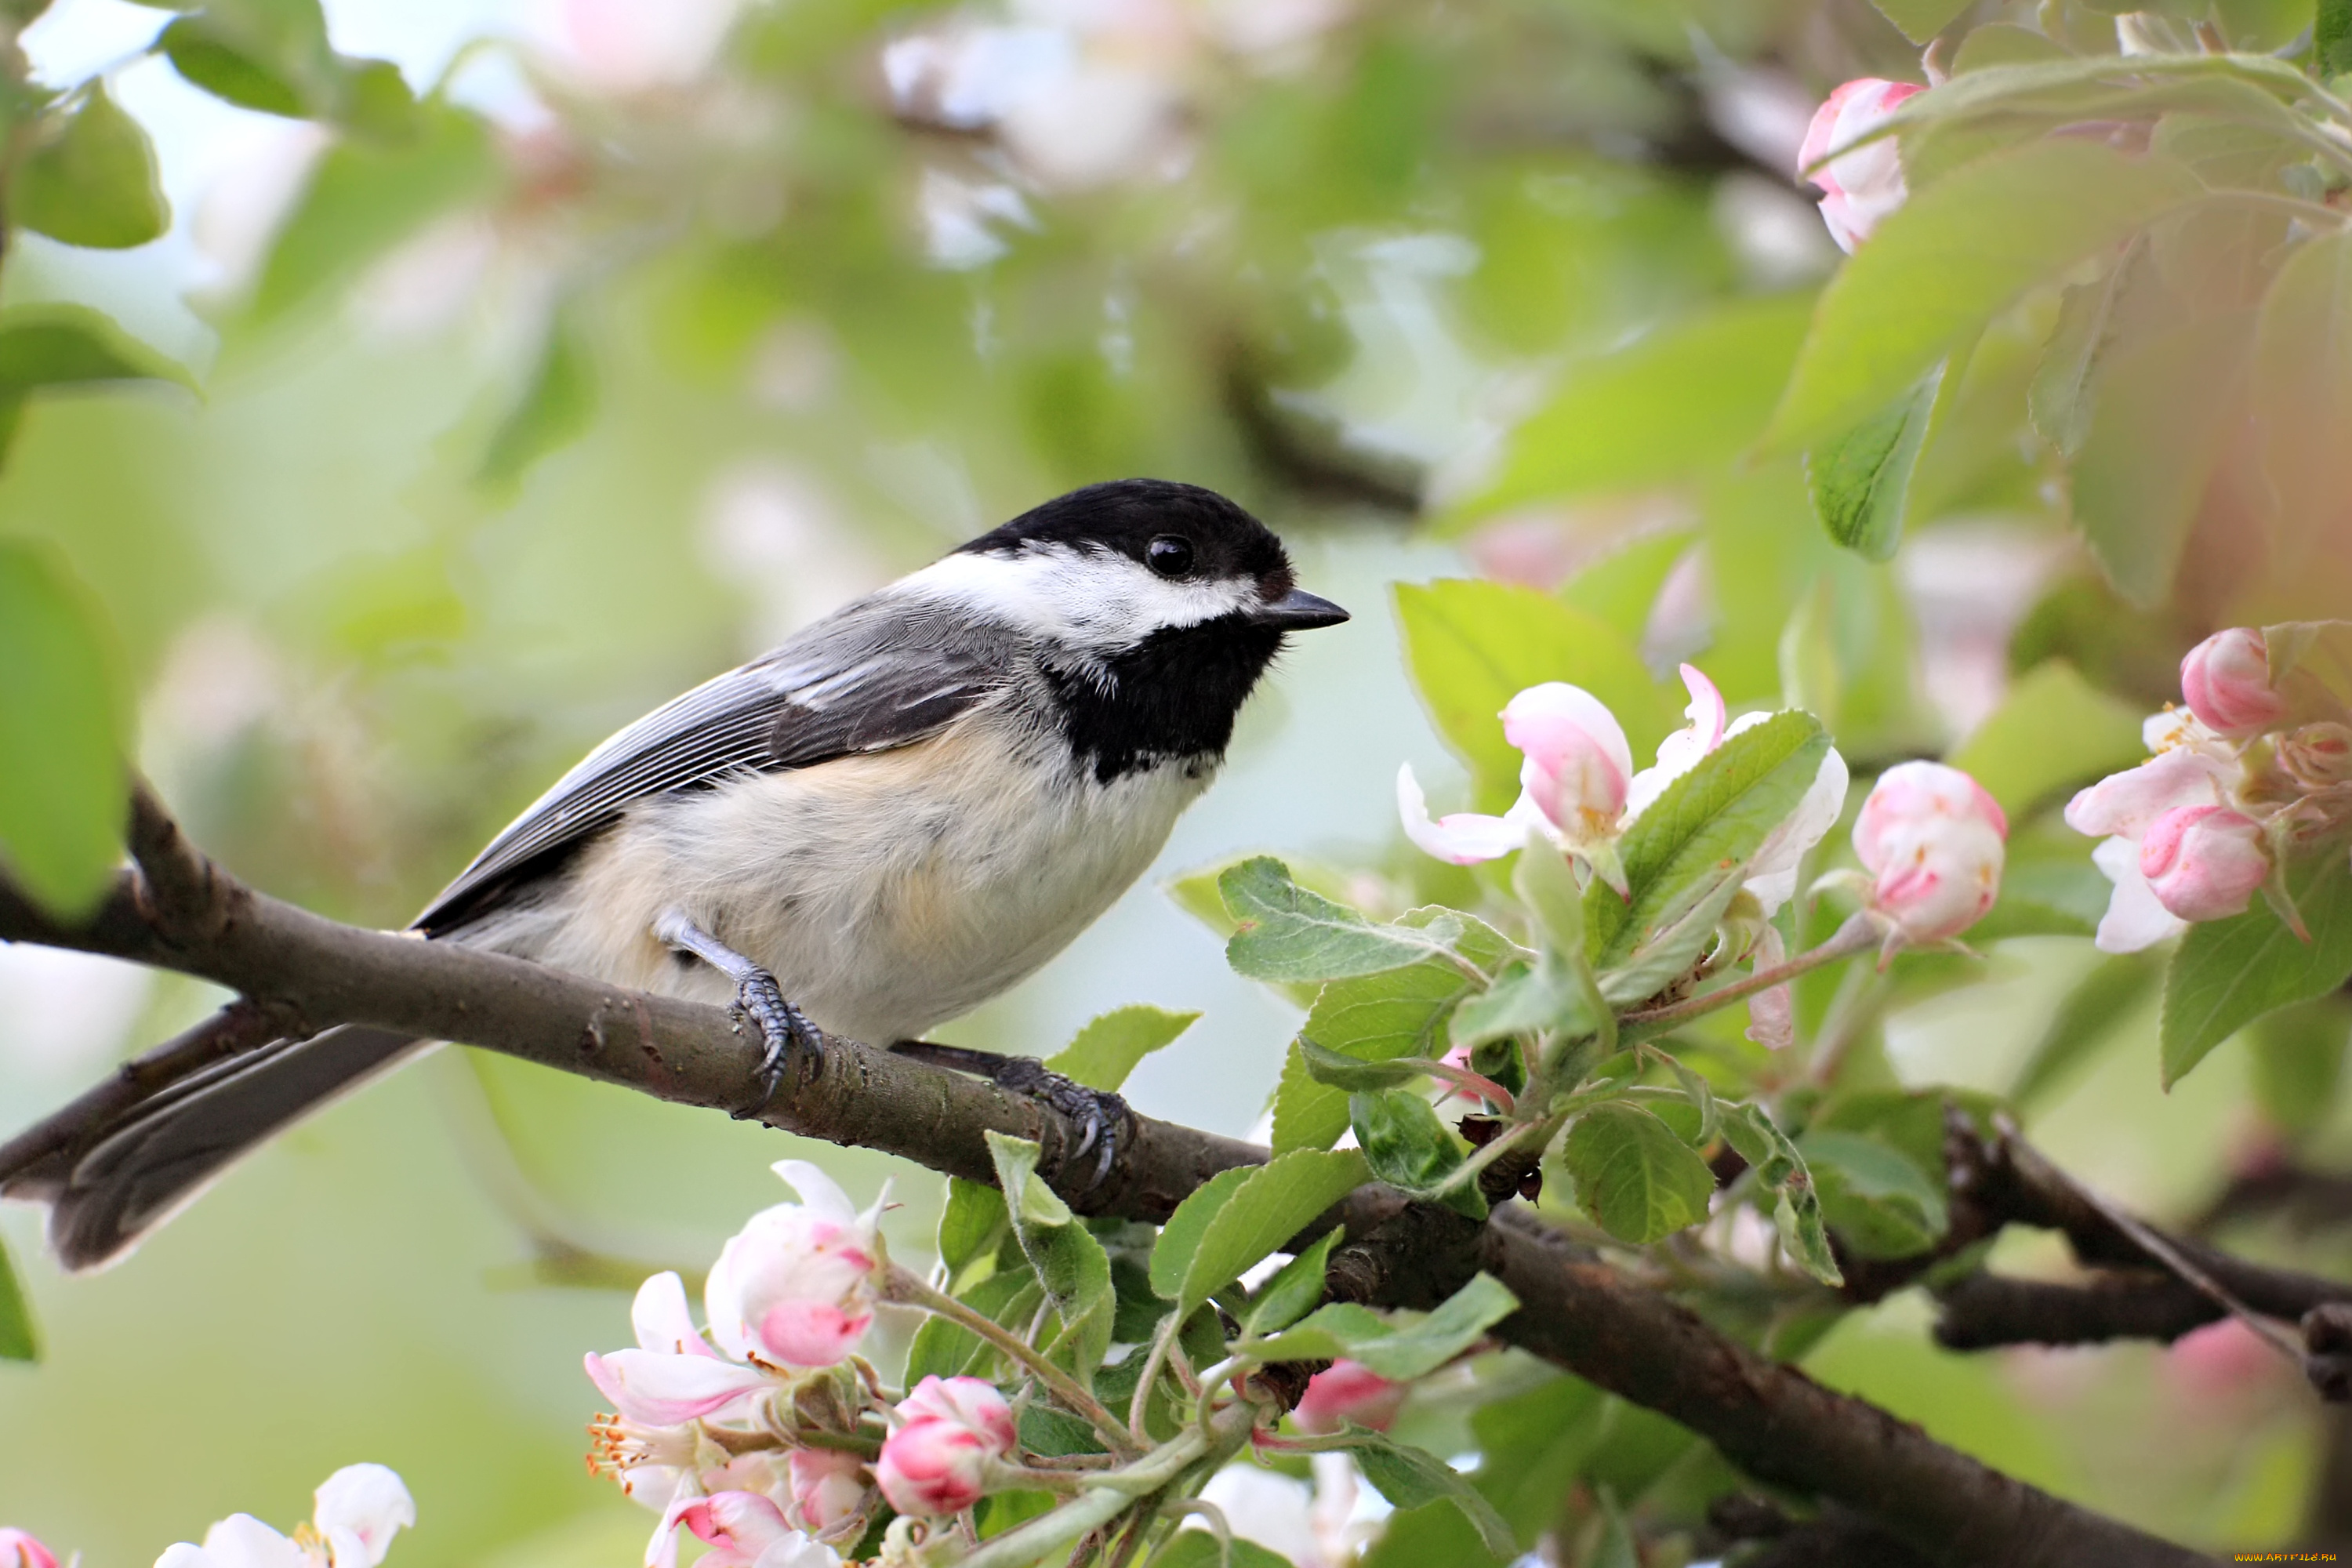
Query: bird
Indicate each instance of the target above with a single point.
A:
(898, 813)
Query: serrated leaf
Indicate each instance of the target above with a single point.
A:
(1708, 822)
(1398, 1351)
(1473, 646)
(1633, 1174)
(1180, 1239)
(1874, 1196)
(1277, 1201)
(1107, 1049)
(18, 1341)
(1408, 1145)
(1541, 995)
(1409, 1477)
(1956, 254)
(1780, 1170)
(1295, 1290)
(1861, 479)
(1401, 1013)
(90, 180)
(972, 1224)
(1289, 933)
(64, 794)
(1669, 950)
(2227, 973)
(1071, 1265)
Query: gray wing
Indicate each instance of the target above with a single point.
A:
(879, 674)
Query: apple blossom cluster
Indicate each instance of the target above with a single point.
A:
(1931, 841)
(355, 1514)
(1860, 187)
(2249, 769)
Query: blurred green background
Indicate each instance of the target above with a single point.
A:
(676, 325)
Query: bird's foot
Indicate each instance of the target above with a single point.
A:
(760, 1002)
(1104, 1122)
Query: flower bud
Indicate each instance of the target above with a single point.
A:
(2318, 756)
(1349, 1391)
(1578, 766)
(936, 1461)
(2204, 862)
(19, 1549)
(359, 1510)
(1935, 841)
(1863, 186)
(798, 1283)
(2227, 681)
(828, 1486)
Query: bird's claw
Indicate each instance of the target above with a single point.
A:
(1102, 1116)
(760, 1001)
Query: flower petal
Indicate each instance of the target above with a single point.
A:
(1463, 839)
(2124, 804)
(1772, 1014)
(820, 1194)
(662, 1321)
(2135, 919)
(1772, 874)
(241, 1541)
(657, 1390)
(360, 1508)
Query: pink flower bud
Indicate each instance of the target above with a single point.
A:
(21, 1550)
(2204, 862)
(936, 1461)
(797, 1285)
(1935, 841)
(1863, 186)
(828, 1486)
(1349, 1391)
(1578, 764)
(2227, 681)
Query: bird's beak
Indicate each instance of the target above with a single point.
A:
(1298, 611)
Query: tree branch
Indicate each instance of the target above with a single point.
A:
(181, 912)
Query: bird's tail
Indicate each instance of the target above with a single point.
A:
(112, 1183)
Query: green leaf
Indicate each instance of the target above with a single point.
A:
(1374, 1018)
(18, 1340)
(1409, 1146)
(555, 407)
(2053, 731)
(274, 56)
(2331, 37)
(1533, 1447)
(2155, 436)
(1107, 1049)
(1921, 20)
(64, 795)
(1634, 1175)
(1861, 481)
(1399, 1349)
(90, 180)
(1196, 1547)
(1542, 996)
(1347, 1073)
(1874, 1196)
(2298, 1059)
(1547, 884)
(2065, 383)
(221, 64)
(1669, 950)
(945, 1348)
(1472, 647)
(2303, 379)
(1180, 1239)
(56, 345)
(2003, 44)
(2086, 1020)
(1689, 396)
(1954, 256)
(1433, 1533)
(1409, 1477)
(1295, 1291)
(2226, 973)
(1070, 1263)
(1278, 1201)
(1781, 1169)
(972, 1224)
(1289, 933)
(1705, 825)
(366, 198)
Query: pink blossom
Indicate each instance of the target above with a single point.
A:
(20, 1549)
(2192, 767)
(1772, 1011)
(673, 1376)
(1578, 766)
(797, 1285)
(1863, 186)
(744, 1530)
(828, 1486)
(937, 1459)
(2204, 862)
(1935, 841)
(2227, 681)
(1349, 1391)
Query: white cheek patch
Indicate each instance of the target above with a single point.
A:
(1093, 599)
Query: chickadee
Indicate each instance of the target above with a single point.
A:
(905, 809)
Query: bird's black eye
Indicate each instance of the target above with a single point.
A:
(1171, 555)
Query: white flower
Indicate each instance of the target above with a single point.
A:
(672, 1376)
(797, 1285)
(356, 1512)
